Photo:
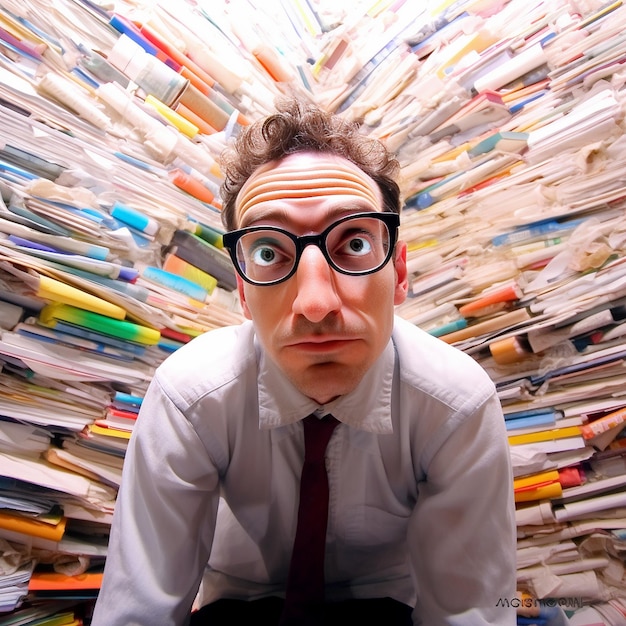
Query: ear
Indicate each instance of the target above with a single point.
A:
(242, 297)
(402, 278)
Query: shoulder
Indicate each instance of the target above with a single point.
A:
(209, 362)
(428, 365)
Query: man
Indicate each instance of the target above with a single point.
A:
(420, 522)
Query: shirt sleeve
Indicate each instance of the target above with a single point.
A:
(462, 538)
(164, 521)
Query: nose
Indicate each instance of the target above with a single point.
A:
(316, 295)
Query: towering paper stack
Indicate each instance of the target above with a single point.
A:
(508, 121)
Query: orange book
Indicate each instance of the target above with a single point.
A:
(176, 265)
(193, 187)
(55, 581)
(505, 294)
(602, 424)
(546, 485)
(543, 492)
(32, 526)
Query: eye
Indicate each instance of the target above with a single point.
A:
(267, 252)
(355, 242)
(263, 256)
(358, 245)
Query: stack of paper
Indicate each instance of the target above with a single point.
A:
(507, 119)
(49, 612)
(522, 268)
(17, 568)
(90, 203)
(516, 246)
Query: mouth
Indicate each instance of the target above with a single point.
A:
(321, 343)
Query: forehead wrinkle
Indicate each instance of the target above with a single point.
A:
(315, 181)
(292, 181)
(295, 175)
(352, 202)
(300, 175)
(298, 168)
(281, 170)
(275, 190)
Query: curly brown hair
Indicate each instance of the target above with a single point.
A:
(296, 126)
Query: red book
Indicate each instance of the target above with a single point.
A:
(118, 419)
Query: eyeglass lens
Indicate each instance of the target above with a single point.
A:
(354, 246)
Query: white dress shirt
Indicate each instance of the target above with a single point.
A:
(421, 501)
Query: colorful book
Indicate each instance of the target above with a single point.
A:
(203, 255)
(174, 264)
(122, 329)
(33, 526)
(108, 431)
(545, 435)
(603, 424)
(55, 581)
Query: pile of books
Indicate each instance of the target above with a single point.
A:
(507, 119)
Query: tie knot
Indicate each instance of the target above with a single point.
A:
(317, 433)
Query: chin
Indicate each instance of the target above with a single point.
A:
(324, 386)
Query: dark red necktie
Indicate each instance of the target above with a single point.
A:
(305, 583)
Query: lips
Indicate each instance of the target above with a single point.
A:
(329, 344)
(321, 344)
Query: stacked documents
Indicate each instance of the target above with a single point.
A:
(515, 231)
(110, 259)
(508, 120)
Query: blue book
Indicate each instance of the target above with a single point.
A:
(540, 419)
(528, 413)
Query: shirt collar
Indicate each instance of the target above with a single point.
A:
(368, 407)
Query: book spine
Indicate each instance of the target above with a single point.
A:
(202, 255)
(176, 265)
(601, 425)
(33, 527)
(545, 435)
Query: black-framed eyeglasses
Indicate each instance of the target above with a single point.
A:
(358, 244)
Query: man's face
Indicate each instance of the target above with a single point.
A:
(322, 328)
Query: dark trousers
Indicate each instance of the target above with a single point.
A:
(370, 612)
